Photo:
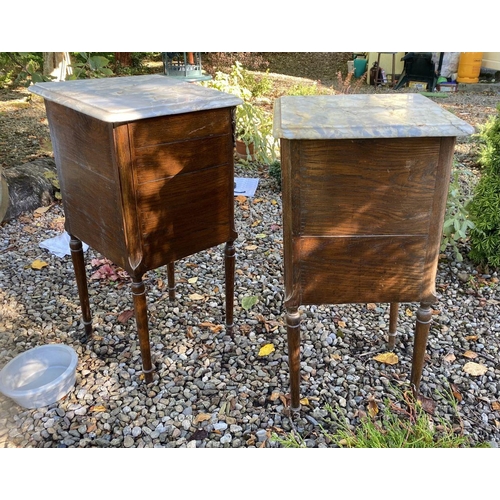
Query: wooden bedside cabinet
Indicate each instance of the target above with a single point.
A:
(146, 170)
(365, 181)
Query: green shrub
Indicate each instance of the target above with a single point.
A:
(485, 204)
(254, 125)
(457, 223)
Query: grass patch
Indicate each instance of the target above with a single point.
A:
(405, 424)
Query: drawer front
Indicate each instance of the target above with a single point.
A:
(173, 128)
(185, 214)
(364, 187)
(165, 160)
(362, 269)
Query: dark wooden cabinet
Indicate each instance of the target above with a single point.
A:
(147, 177)
(365, 181)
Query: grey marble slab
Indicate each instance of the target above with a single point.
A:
(364, 116)
(121, 99)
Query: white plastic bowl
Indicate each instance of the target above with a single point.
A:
(40, 376)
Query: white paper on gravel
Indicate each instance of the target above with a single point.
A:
(245, 186)
(59, 245)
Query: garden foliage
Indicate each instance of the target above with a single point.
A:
(485, 204)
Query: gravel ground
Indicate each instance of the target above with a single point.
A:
(211, 391)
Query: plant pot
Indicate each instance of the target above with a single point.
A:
(241, 151)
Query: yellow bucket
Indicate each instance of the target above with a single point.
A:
(469, 67)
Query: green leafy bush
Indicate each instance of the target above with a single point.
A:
(457, 223)
(254, 125)
(485, 204)
(21, 68)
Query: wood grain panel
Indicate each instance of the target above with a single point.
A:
(361, 269)
(187, 126)
(93, 211)
(363, 187)
(185, 214)
(164, 160)
(81, 139)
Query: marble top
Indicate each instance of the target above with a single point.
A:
(122, 99)
(364, 116)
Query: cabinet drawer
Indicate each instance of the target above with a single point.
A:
(166, 160)
(181, 127)
(344, 270)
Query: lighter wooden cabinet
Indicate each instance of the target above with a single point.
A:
(365, 180)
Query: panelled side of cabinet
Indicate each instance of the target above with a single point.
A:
(183, 172)
(90, 186)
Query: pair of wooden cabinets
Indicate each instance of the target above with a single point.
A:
(146, 172)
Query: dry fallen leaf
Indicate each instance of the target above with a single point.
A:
(372, 408)
(471, 337)
(193, 280)
(265, 350)
(38, 264)
(41, 210)
(475, 369)
(449, 358)
(304, 401)
(428, 404)
(124, 316)
(241, 199)
(456, 392)
(201, 417)
(371, 306)
(98, 408)
(495, 406)
(251, 247)
(409, 312)
(470, 354)
(196, 296)
(389, 358)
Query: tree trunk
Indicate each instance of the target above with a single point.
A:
(57, 65)
(123, 58)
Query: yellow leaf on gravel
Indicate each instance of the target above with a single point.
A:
(196, 296)
(372, 408)
(201, 417)
(475, 369)
(389, 358)
(193, 280)
(304, 401)
(265, 350)
(98, 408)
(409, 312)
(251, 247)
(38, 264)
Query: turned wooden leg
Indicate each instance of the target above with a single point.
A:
(171, 280)
(76, 248)
(229, 262)
(141, 317)
(424, 315)
(293, 336)
(393, 324)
